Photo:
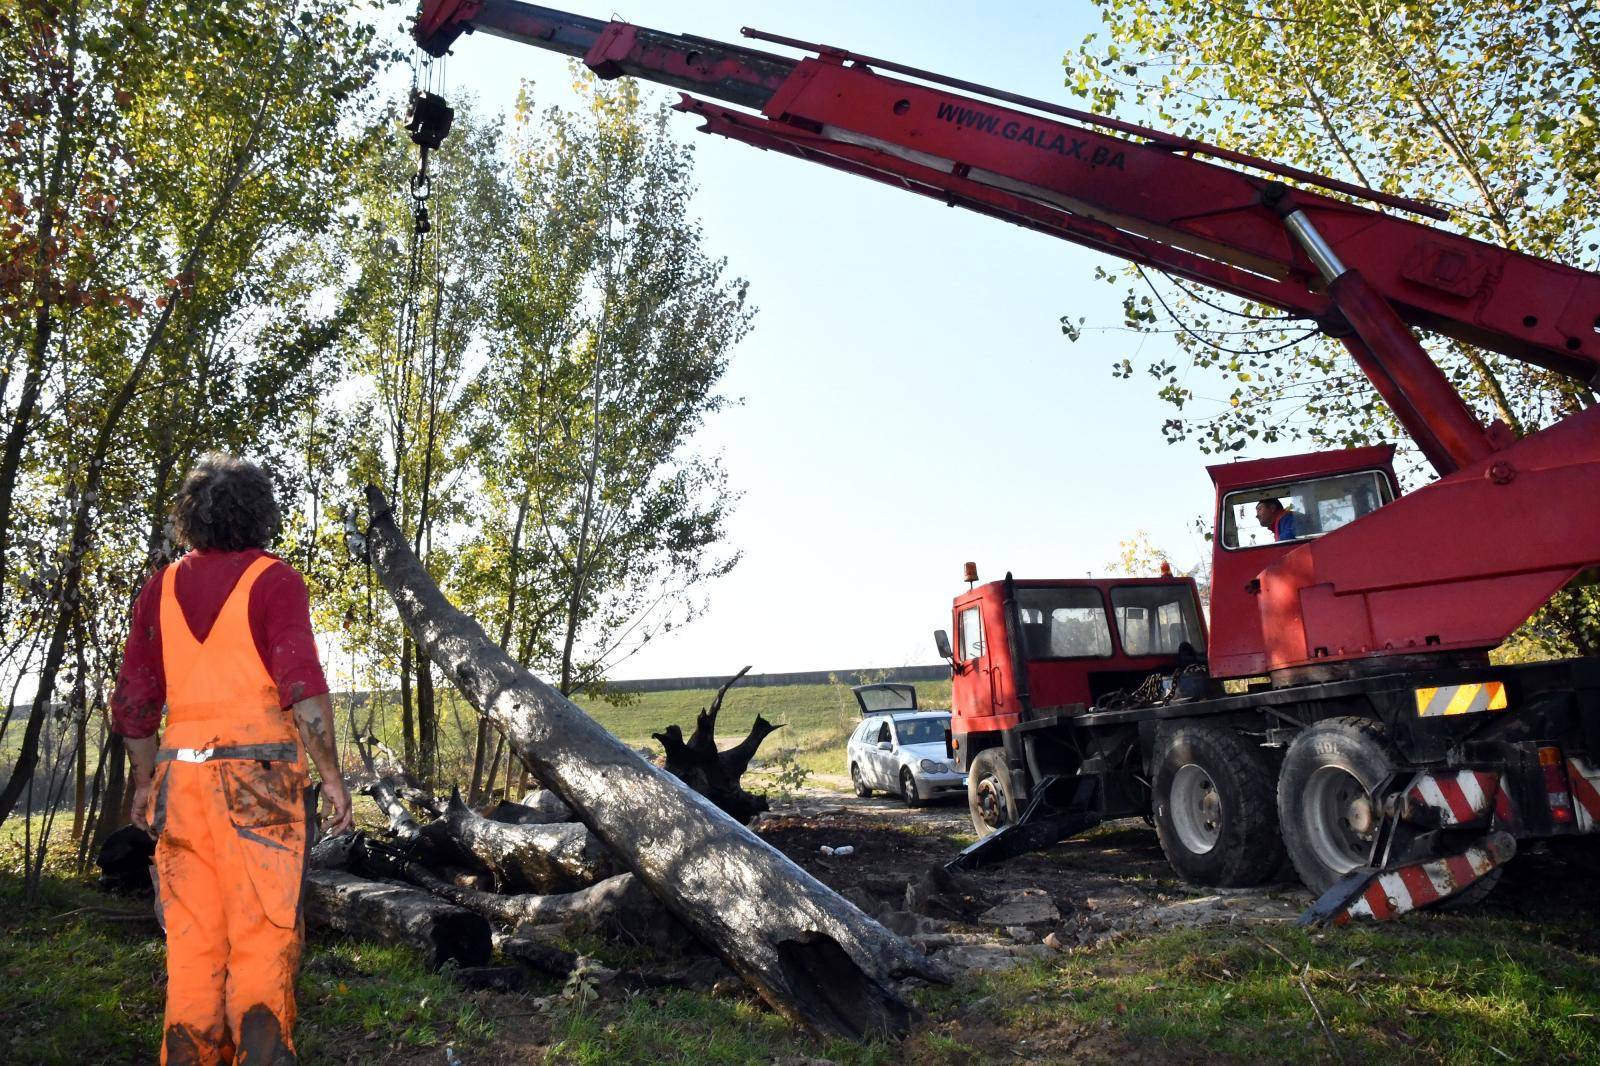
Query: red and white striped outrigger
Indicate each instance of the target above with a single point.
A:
(1452, 800)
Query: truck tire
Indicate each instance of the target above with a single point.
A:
(1325, 805)
(856, 780)
(989, 798)
(1214, 810)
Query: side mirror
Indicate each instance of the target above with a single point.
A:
(941, 641)
(884, 745)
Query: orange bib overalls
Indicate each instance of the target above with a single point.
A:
(229, 810)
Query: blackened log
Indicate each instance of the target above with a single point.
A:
(396, 914)
(736, 760)
(716, 775)
(382, 789)
(556, 962)
(618, 904)
(530, 858)
(540, 807)
(335, 853)
(811, 954)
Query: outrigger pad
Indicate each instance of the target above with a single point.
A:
(1401, 887)
(1041, 825)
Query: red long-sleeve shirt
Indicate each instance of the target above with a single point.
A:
(280, 621)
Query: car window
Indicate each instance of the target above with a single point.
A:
(884, 734)
(921, 730)
(971, 635)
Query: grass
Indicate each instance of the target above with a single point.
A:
(1494, 986)
(816, 719)
(1431, 989)
(79, 987)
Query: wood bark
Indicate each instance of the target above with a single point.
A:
(810, 953)
(540, 807)
(530, 858)
(716, 775)
(617, 904)
(396, 914)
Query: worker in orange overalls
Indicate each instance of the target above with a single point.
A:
(223, 638)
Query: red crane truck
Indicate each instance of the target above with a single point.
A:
(1342, 708)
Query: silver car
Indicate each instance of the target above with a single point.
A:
(899, 749)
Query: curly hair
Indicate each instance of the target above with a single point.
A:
(227, 504)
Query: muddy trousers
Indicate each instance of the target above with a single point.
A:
(231, 858)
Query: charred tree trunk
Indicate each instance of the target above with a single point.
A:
(715, 775)
(396, 914)
(617, 903)
(542, 807)
(809, 953)
(530, 858)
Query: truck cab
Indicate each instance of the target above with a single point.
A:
(1080, 642)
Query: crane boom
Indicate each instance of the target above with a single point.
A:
(1365, 276)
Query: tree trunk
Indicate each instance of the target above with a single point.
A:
(599, 907)
(396, 914)
(408, 727)
(715, 775)
(530, 858)
(809, 952)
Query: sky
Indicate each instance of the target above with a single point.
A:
(906, 400)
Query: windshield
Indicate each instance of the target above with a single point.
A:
(1155, 619)
(921, 730)
(1063, 623)
(876, 698)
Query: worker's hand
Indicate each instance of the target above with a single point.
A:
(339, 818)
(141, 804)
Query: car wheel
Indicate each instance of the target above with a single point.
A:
(908, 788)
(1326, 805)
(855, 779)
(1214, 808)
(989, 799)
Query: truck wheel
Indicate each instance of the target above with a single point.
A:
(908, 788)
(855, 779)
(1213, 808)
(1325, 801)
(989, 792)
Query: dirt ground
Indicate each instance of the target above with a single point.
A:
(1110, 881)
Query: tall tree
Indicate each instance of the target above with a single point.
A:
(614, 330)
(182, 157)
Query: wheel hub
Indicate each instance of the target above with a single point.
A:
(1196, 809)
(1341, 817)
(992, 802)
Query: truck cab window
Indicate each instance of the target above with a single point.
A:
(1063, 623)
(1315, 507)
(1156, 619)
(971, 634)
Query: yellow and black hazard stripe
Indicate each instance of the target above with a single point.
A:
(1461, 699)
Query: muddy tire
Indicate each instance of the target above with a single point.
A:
(1325, 797)
(855, 779)
(989, 799)
(1214, 807)
(908, 788)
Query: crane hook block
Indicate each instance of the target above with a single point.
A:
(429, 118)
